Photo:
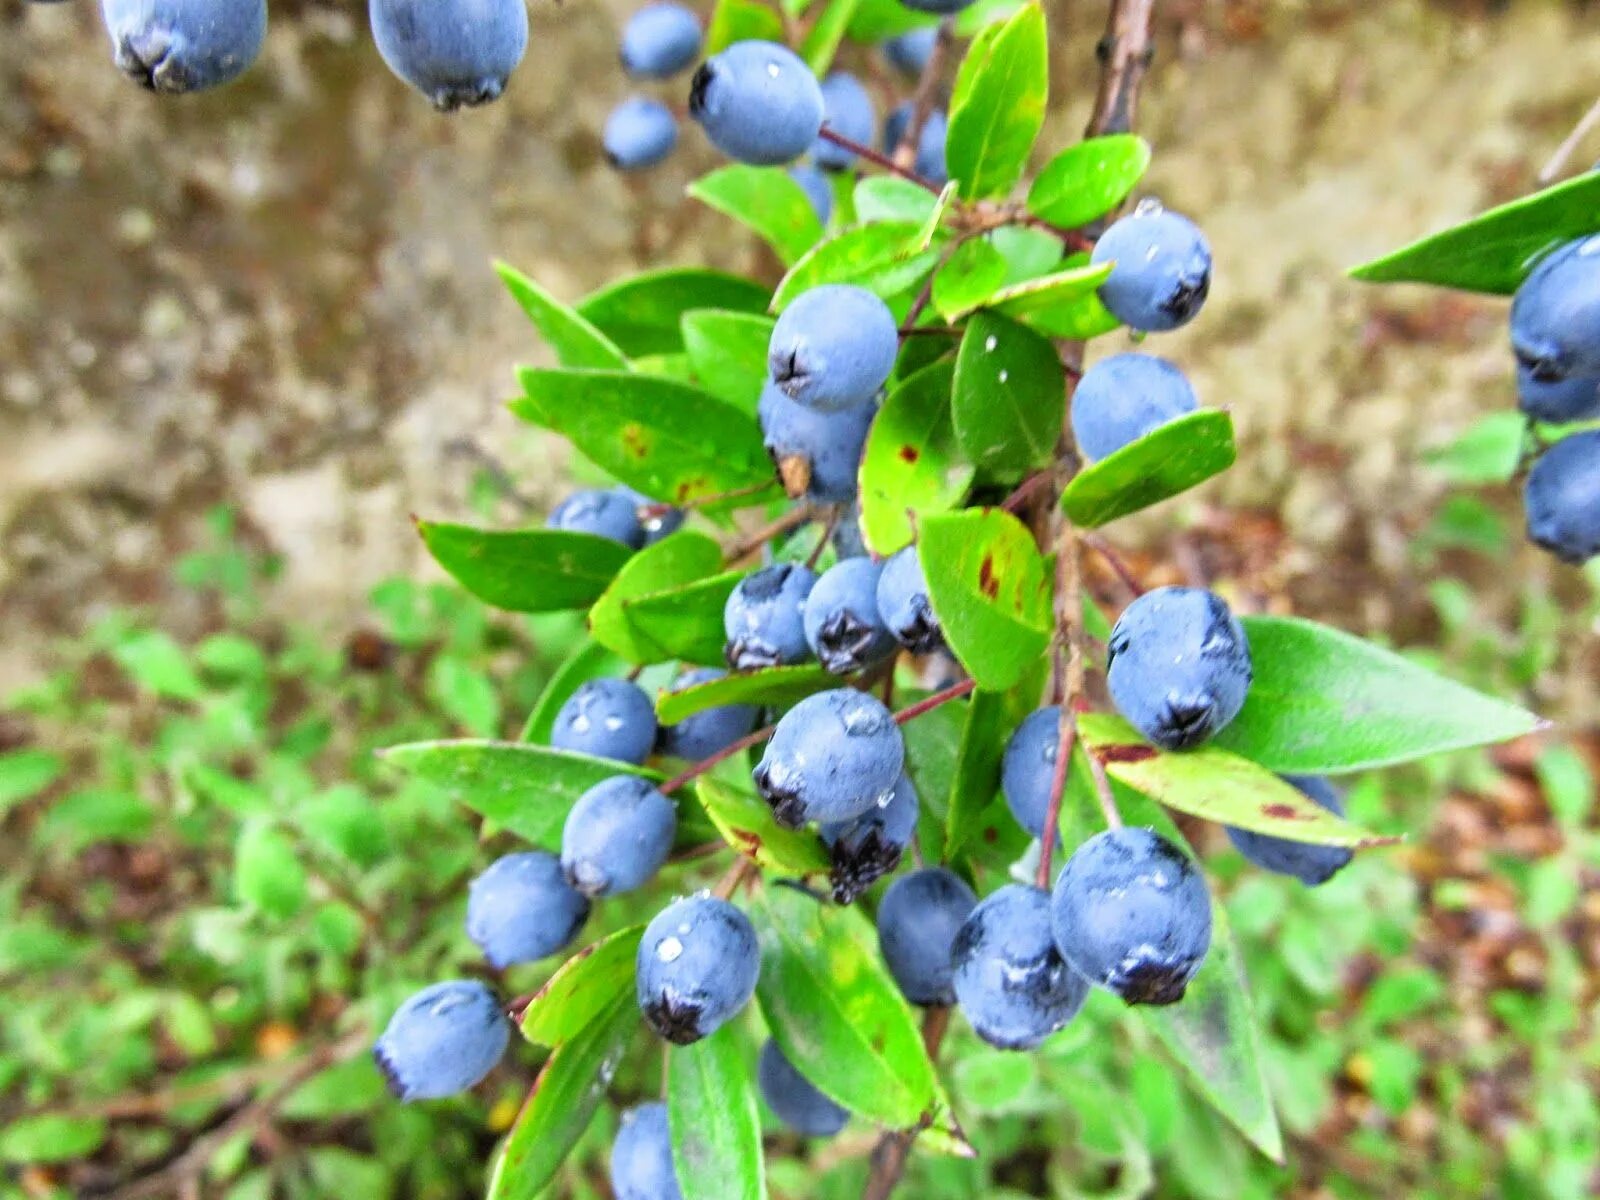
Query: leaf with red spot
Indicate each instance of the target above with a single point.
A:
(747, 824)
(911, 467)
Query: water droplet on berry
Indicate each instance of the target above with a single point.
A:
(670, 950)
(773, 69)
(581, 723)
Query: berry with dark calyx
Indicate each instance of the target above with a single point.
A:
(660, 40)
(762, 617)
(794, 1098)
(817, 454)
(656, 522)
(607, 718)
(702, 734)
(930, 161)
(847, 110)
(617, 836)
(909, 52)
(522, 909)
(184, 45)
(457, 53)
(817, 189)
(1009, 979)
(605, 512)
(758, 102)
(1163, 269)
(697, 967)
(833, 347)
(1575, 398)
(1562, 497)
(904, 605)
(1555, 315)
(1124, 397)
(641, 1157)
(442, 1041)
(842, 624)
(866, 848)
(1027, 772)
(918, 919)
(1311, 865)
(1178, 666)
(639, 133)
(1131, 913)
(834, 756)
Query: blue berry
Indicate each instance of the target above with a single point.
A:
(1311, 865)
(1009, 979)
(943, 7)
(641, 1157)
(909, 52)
(904, 604)
(660, 40)
(521, 909)
(659, 525)
(866, 848)
(639, 133)
(758, 103)
(184, 45)
(1131, 913)
(918, 920)
(605, 512)
(817, 189)
(818, 454)
(842, 624)
(443, 1040)
(617, 836)
(702, 734)
(793, 1097)
(1028, 768)
(847, 110)
(1163, 269)
(607, 718)
(1178, 666)
(1555, 315)
(697, 967)
(833, 347)
(930, 160)
(455, 52)
(1124, 397)
(834, 756)
(762, 617)
(848, 541)
(1562, 497)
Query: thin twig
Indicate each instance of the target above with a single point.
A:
(1103, 792)
(1569, 146)
(1114, 560)
(1068, 671)
(751, 542)
(650, 512)
(822, 542)
(876, 158)
(693, 772)
(890, 1154)
(954, 692)
(736, 875)
(905, 154)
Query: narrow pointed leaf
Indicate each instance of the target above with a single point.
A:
(728, 351)
(997, 107)
(526, 570)
(716, 1127)
(576, 342)
(883, 257)
(746, 823)
(1086, 181)
(777, 687)
(641, 314)
(767, 201)
(911, 467)
(591, 981)
(1046, 293)
(1164, 463)
(1009, 397)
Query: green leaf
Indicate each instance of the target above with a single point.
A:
(1085, 182)
(714, 1122)
(24, 774)
(525, 789)
(1216, 785)
(1053, 296)
(910, 467)
(641, 314)
(1029, 253)
(968, 278)
(889, 198)
(592, 980)
(1009, 397)
(267, 874)
(990, 719)
(685, 623)
(875, 20)
(1487, 451)
(570, 1087)
(464, 694)
(576, 343)
(662, 606)
(1326, 702)
(1496, 251)
(47, 1138)
(882, 257)
(774, 687)
(672, 442)
(156, 662)
(931, 224)
(729, 354)
(590, 660)
(765, 200)
(741, 21)
(1165, 462)
(822, 42)
(527, 570)
(93, 815)
(990, 592)
(997, 107)
(747, 824)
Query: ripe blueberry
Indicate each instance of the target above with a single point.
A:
(866, 848)
(641, 1157)
(909, 52)
(521, 909)
(1575, 398)
(943, 7)
(918, 919)
(1124, 397)
(617, 836)
(702, 734)
(660, 40)
(1555, 315)
(605, 512)
(697, 967)
(1178, 666)
(1009, 979)
(818, 454)
(607, 718)
(793, 1097)
(833, 347)
(1131, 913)
(834, 756)
(758, 102)
(1162, 272)
(842, 624)
(442, 1040)
(930, 160)
(847, 110)
(1311, 865)
(762, 617)
(817, 189)
(639, 133)
(184, 45)
(455, 52)
(1028, 768)
(656, 524)
(904, 605)
(1562, 497)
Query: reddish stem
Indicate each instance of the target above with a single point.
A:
(691, 773)
(954, 692)
(876, 158)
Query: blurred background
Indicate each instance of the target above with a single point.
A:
(245, 335)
